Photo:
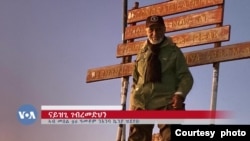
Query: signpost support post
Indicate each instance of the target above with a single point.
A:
(121, 133)
(216, 68)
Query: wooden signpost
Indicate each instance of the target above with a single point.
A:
(183, 40)
(194, 58)
(179, 23)
(191, 23)
(170, 8)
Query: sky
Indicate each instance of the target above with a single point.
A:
(47, 47)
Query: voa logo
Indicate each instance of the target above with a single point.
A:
(27, 114)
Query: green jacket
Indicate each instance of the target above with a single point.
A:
(176, 77)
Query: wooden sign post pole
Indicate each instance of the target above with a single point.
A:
(121, 133)
(216, 68)
(125, 80)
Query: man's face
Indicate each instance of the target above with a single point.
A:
(155, 33)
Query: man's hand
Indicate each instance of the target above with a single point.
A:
(177, 102)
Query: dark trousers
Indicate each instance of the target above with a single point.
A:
(143, 132)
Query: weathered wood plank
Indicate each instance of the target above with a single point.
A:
(179, 23)
(169, 8)
(201, 37)
(195, 58)
(189, 39)
(220, 54)
(109, 72)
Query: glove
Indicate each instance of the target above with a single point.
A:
(177, 102)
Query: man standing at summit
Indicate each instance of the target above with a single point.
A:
(161, 79)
